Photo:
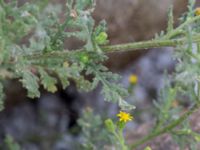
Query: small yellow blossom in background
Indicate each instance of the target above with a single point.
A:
(66, 64)
(124, 117)
(175, 104)
(197, 11)
(133, 79)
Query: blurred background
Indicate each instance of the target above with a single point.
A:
(50, 122)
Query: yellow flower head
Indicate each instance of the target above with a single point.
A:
(65, 64)
(175, 104)
(197, 11)
(124, 117)
(133, 79)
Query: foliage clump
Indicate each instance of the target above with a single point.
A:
(32, 50)
(40, 62)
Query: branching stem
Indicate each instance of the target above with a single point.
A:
(165, 129)
(117, 48)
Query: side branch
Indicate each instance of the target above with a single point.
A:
(165, 129)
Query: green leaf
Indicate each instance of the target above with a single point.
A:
(63, 76)
(102, 27)
(84, 4)
(170, 20)
(125, 105)
(30, 82)
(190, 6)
(47, 81)
(11, 144)
(83, 84)
(101, 38)
(91, 125)
(1, 97)
(112, 91)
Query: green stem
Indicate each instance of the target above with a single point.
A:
(124, 147)
(117, 48)
(120, 140)
(119, 135)
(163, 42)
(169, 127)
(2, 3)
(178, 29)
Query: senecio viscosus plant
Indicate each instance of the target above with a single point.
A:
(42, 60)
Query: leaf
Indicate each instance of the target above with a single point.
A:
(47, 81)
(83, 84)
(191, 4)
(112, 91)
(101, 38)
(170, 20)
(84, 4)
(1, 97)
(100, 35)
(11, 144)
(102, 27)
(82, 35)
(30, 82)
(124, 105)
(63, 76)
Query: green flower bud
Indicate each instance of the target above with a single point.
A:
(84, 58)
(148, 148)
(101, 38)
(197, 137)
(110, 125)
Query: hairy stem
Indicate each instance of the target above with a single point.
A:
(117, 48)
(163, 42)
(165, 129)
(181, 27)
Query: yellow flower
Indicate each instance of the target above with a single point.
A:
(65, 64)
(175, 104)
(133, 79)
(197, 11)
(124, 117)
